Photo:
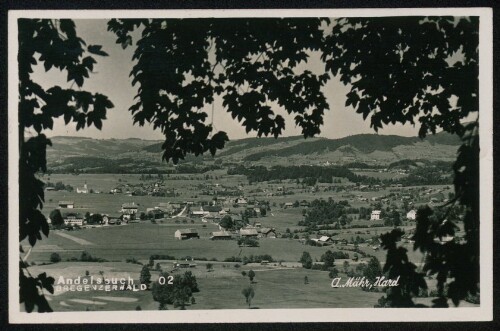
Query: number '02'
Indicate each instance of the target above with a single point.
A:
(169, 280)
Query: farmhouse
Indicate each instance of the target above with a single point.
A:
(72, 217)
(324, 240)
(198, 213)
(184, 264)
(212, 209)
(66, 204)
(411, 215)
(304, 203)
(249, 232)
(375, 216)
(129, 208)
(267, 233)
(221, 235)
(288, 205)
(168, 207)
(241, 201)
(182, 234)
(212, 212)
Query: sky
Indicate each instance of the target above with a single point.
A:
(111, 78)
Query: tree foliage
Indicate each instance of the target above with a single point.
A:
(180, 66)
(373, 270)
(227, 223)
(251, 275)
(55, 258)
(53, 44)
(329, 259)
(95, 219)
(56, 218)
(178, 293)
(248, 293)
(425, 70)
(306, 260)
(145, 277)
(403, 69)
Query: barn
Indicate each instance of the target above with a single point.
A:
(183, 234)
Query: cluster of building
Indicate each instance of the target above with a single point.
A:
(76, 216)
(376, 215)
(223, 234)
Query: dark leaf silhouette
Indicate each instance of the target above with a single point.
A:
(59, 47)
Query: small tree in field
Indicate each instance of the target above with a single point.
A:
(210, 267)
(56, 218)
(145, 277)
(162, 294)
(346, 266)
(306, 260)
(249, 293)
(54, 258)
(333, 273)
(306, 280)
(251, 275)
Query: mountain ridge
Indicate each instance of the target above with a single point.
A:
(91, 154)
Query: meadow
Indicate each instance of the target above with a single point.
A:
(219, 289)
(141, 240)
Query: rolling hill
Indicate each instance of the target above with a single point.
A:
(68, 154)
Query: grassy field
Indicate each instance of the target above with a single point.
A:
(142, 240)
(274, 287)
(219, 289)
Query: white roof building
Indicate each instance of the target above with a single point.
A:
(411, 215)
(375, 215)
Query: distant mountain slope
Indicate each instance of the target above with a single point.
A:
(63, 147)
(125, 155)
(364, 143)
(236, 146)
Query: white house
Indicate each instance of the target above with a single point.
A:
(411, 215)
(241, 201)
(375, 216)
(267, 233)
(129, 208)
(73, 218)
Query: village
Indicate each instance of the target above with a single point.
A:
(219, 227)
(243, 211)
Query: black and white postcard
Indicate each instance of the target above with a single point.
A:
(188, 166)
